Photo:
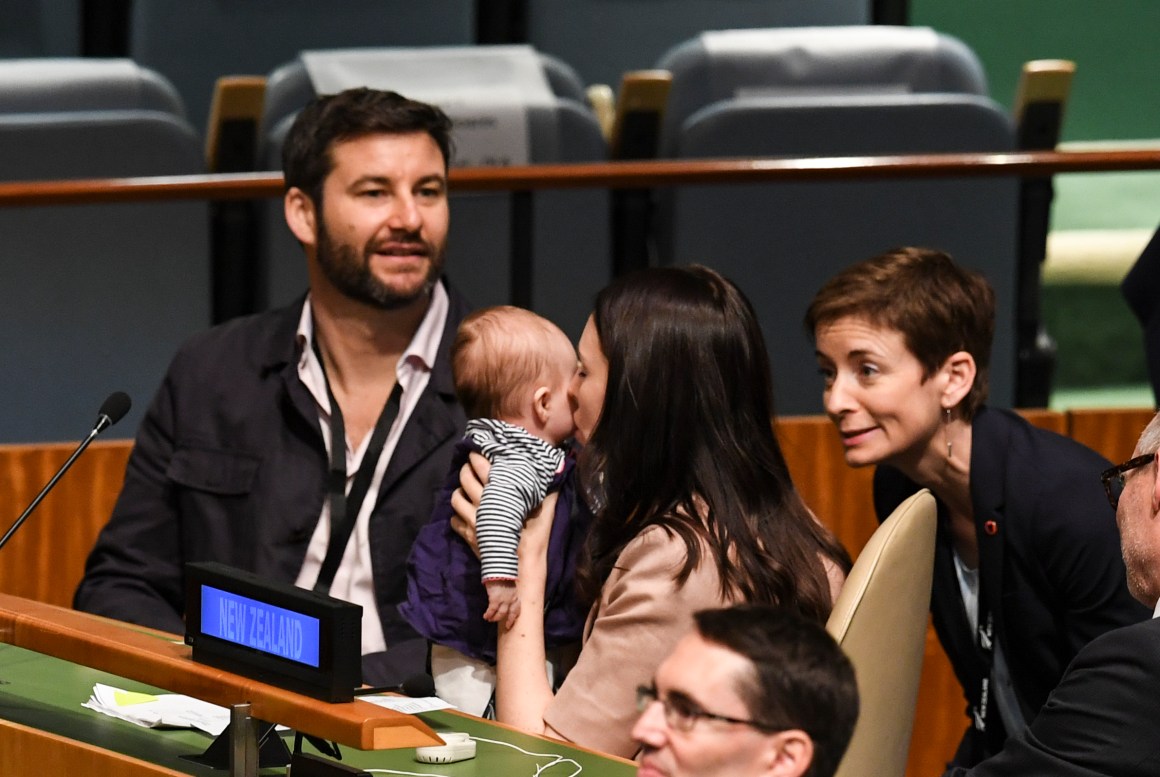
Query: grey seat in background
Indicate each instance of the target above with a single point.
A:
(571, 236)
(602, 39)
(288, 88)
(193, 42)
(40, 28)
(715, 67)
(781, 241)
(98, 297)
(56, 85)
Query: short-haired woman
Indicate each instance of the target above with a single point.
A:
(1027, 563)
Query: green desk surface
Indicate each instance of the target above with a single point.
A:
(46, 693)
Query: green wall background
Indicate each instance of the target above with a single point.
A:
(1114, 43)
(1115, 97)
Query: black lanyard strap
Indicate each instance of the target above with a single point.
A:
(344, 508)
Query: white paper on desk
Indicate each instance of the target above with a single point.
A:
(408, 705)
(167, 710)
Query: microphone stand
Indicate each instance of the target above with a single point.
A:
(44, 491)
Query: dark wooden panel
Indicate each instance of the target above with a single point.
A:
(45, 559)
(1111, 432)
(839, 495)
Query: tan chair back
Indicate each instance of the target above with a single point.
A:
(880, 621)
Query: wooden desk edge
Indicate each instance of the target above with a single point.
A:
(159, 660)
(22, 746)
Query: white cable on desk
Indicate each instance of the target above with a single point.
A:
(540, 768)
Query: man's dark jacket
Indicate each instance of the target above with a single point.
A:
(1101, 719)
(230, 465)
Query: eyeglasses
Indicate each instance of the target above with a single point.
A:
(682, 713)
(1113, 479)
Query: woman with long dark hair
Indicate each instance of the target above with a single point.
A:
(693, 503)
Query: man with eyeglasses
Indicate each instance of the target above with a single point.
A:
(1102, 717)
(753, 690)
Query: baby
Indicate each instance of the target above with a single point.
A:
(512, 369)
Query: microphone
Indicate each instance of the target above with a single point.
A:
(416, 686)
(112, 410)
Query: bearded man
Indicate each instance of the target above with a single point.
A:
(306, 444)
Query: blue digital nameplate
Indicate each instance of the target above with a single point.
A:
(258, 625)
(273, 632)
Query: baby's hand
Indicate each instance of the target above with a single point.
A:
(503, 602)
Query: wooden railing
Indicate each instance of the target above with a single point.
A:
(520, 182)
(45, 560)
(610, 175)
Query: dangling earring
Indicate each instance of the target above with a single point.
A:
(947, 434)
